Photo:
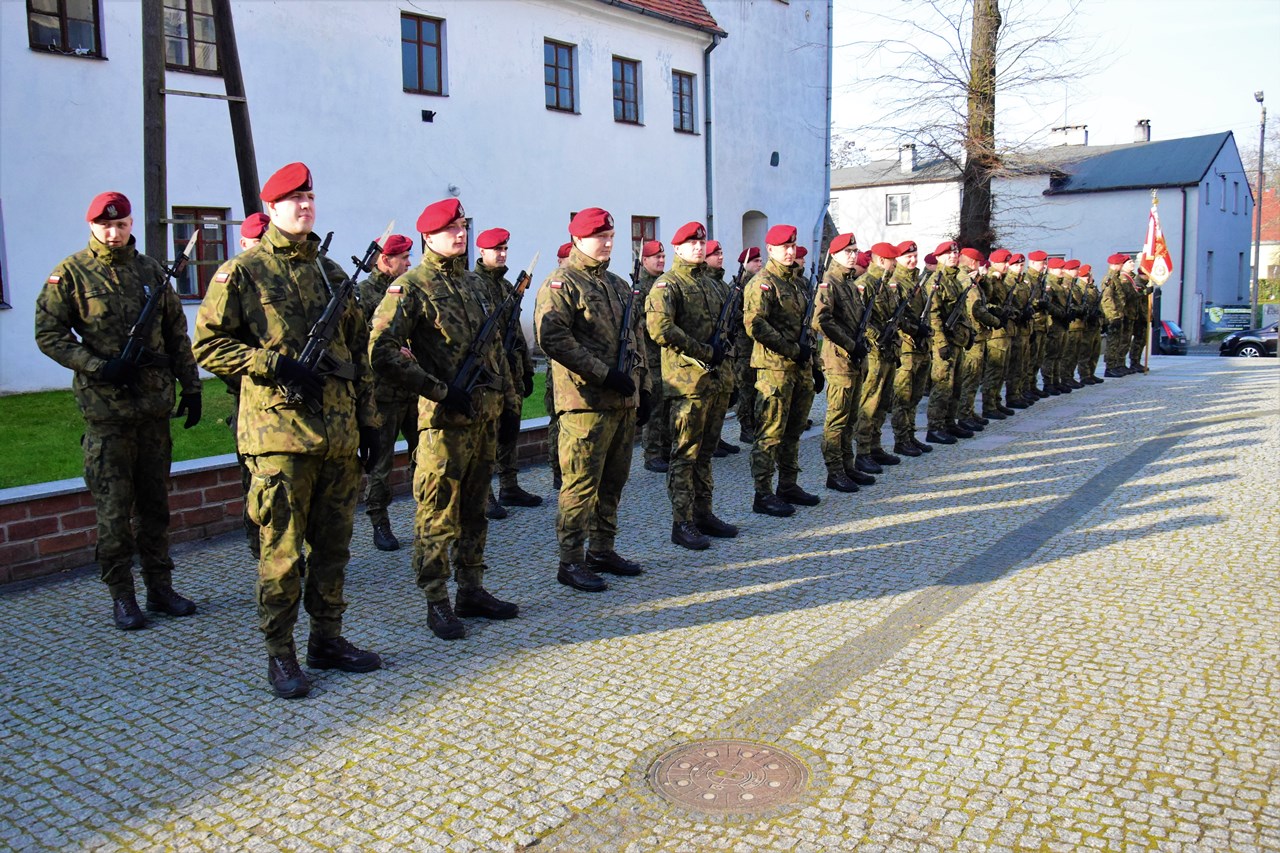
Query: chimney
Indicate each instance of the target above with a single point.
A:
(1075, 134)
(1142, 130)
(907, 158)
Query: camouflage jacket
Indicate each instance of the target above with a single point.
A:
(370, 292)
(262, 304)
(950, 286)
(1038, 282)
(436, 310)
(996, 288)
(773, 309)
(1113, 297)
(872, 285)
(680, 314)
(1076, 290)
(910, 286)
(83, 316)
(741, 343)
(979, 300)
(653, 352)
(577, 320)
(1058, 294)
(836, 315)
(723, 290)
(1018, 284)
(520, 360)
(1136, 289)
(1092, 305)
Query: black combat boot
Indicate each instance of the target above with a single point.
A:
(729, 448)
(127, 615)
(657, 465)
(746, 435)
(339, 653)
(940, 437)
(286, 677)
(162, 599)
(383, 538)
(442, 622)
(516, 496)
(906, 450)
(580, 577)
(840, 482)
(478, 601)
(992, 413)
(712, 526)
(612, 563)
(772, 505)
(867, 465)
(860, 478)
(971, 424)
(958, 430)
(687, 535)
(880, 457)
(494, 510)
(796, 496)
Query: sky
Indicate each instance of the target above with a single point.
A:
(1190, 66)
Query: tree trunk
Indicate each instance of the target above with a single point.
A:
(981, 159)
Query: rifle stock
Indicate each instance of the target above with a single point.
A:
(135, 350)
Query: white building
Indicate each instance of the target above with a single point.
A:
(394, 105)
(897, 200)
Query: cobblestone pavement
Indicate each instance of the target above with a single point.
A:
(1061, 635)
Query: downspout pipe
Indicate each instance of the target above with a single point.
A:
(1182, 260)
(826, 159)
(706, 133)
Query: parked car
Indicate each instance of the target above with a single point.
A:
(1251, 343)
(1169, 339)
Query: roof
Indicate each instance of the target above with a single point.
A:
(686, 13)
(884, 172)
(1135, 165)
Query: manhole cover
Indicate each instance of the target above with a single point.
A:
(728, 776)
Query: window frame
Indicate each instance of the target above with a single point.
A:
(622, 102)
(570, 50)
(677, 111)
(643, 229)
(202, 267)
(64, 20)
(190, 39)
(889, 206)
(438, 45)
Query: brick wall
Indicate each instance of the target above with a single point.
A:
(52, 527)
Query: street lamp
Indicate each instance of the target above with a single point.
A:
(1257, 210)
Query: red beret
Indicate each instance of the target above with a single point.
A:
(885, 250)
(946, 248)
(751, 253)
(1037, 255)
(1016, 259)
(862, 260)
(108, 205)
(287, 179)
(439, 214)
(591, 221)
(780, 234)
(1085, 269)
(254, 226)
(493, 238)
(1118, 259)
(841, 242)
(973, 255)
(396, 244)
(1054, 263)
(908, 247)
(651, 248)
(1072, 264)
(563, 251)
(930, 258)
(801, 251)
(1001, 256)
(689, 231)
(713, 246)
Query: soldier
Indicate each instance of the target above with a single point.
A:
(774, 306)
(681, 312)
(973, 358)
(876, 397)
(492, 269)
(437, 310)
(397, 407)
(745, 375)
(579, 321)
(946, 345)
(1091, 344)
(1019, 323)
(549, 396)
(1057, 294)
(837, 316)
(303, 434)
(251, 231)
(1114, 303)
(1000, 297)
(84, 315)
(1037, 275)
(1137, 312)
(913, 354)
(1075, 327)
(729, 390)
(656, 438)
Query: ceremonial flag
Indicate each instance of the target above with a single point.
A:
(1156, 261)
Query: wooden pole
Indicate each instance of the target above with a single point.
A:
(241, 131)
(154, 149)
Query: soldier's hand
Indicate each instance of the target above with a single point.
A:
(945, 352)
(645, 409)
(619, 382)
(860, 350)
(370, 445)
(508, 426)
(458, 400)
(296, 375)
(718, 351)
(805, 352)
(192, 406)
(528, 385)
(819, 381)
(119, 372)
(733, 397)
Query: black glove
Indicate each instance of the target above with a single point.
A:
(860, 349)
(508, 426)
(945, 352)
(458, 400)
(119, 372)
(191, 406)
(370, 446)
(528, 385)
(718, 351)
(733, 397)
(619, 382)
(296, 375)
(646, 408)
(998, 313)
(818, 379)
(805, 353)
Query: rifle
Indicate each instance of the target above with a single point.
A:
(1071, 297)
(724, 332)
(949, 324)
(890, 334)
(513, 320)
(472, 370)
(315, 354)
(365, 264)
(136, 352)
(626, 358)
(1035, 297)
(806, 330)
(1008, 302)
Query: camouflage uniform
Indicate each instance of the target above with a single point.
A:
(1074, 349)
(436, 309)
(681, 313)
(397, 408)
(946, 348)
(744, 374)
(1138, 313)
(83, 317)
(728, 374)
(774, 305)
(519, 360)
(1091, 340)
(1019, 324)
(1113, 315)
(306, 479)
(973, 359)
(1039, 343)
(1000, 342)
(876, 397)
(1056, 292)
(837, 315)
(657, 432)
(913, 357)
(578, 321)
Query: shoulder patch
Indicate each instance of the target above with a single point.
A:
(555, 285)
(222, 277)
(822, 285)
(54, 279)
(661, 284)
(764, 285)
(396, 289)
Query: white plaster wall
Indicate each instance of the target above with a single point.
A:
(935, 214)
(1227, 233)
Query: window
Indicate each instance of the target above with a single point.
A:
(1206, 193)
(897, 209)
(626, 90)
(1224, 192)
(1235, 196)
(210, 250)
(643, 229)
(69, 27)
(682, 102)
(422, 54)
(558, 75)
(190, 42)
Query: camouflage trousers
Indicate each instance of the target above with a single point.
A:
(843, 394)
(657, 431)
(1036, 354)
(745, 376)
(696, 423)
(996, 369)
(1055, 341)
(908, 389)
(595, 462)
(783, 401)
(251, 534)
(1139, 328)
(972, 362)
(1072, 351)
(875, 400)
(398, 418)
(944, 373)
(553, 427)
(126, 465)
(505, 463)
(451, 487)
(301, 502)
(1015, 375)
(1090, 351)
(1118, 336)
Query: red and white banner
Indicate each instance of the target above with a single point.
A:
(1156, 261)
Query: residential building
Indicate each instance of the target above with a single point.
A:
(898, 199)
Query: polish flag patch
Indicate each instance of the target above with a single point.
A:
(555, 285)
(764, 286)
(395, 289)
(661, 284)
(54, 279)
(222, 277)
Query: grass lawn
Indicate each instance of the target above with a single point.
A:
(40, 433)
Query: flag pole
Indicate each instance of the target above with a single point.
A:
(1151, 321)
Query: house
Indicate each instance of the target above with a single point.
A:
(898, 199)
(525, 110)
